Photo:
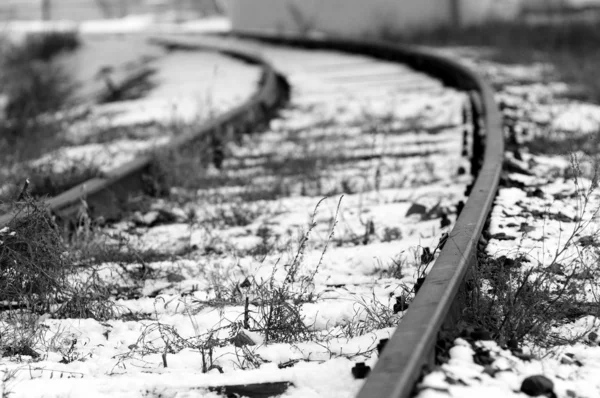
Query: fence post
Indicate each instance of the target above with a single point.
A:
(178, 11)
(46, 14)
(455, 16)
(123, 8)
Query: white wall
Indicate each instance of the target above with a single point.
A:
(341, 17)
(365, 17)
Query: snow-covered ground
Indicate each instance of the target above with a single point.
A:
(544, 226)
(289, 260)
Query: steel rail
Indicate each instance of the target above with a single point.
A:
(412, 346)
(437, 306)
(105, 195)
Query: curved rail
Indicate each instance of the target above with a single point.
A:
(104, 195)
(437, 306)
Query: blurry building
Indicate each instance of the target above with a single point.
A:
(80, 10)
(377, 17)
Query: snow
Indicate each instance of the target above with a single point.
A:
(363, 250)
(470, 380)
(546, 215)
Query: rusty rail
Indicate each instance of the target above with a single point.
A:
(437, 306)
(438, 303)
(104, 196)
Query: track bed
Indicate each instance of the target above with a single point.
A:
(289, 259)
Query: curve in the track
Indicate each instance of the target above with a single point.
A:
(438, 303)
(412, 345)
(104, 195)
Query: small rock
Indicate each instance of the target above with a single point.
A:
(481, 334)
(445, 221)
(502, 236)
(593, 337)
(453, 381)
(556, 268)
(434, 212)
(517, 155)
(564, 218)
(507, 262)
(482, 357)
(246, 283)
(513, 344)
(537, 385)
(154, 217)
(566, 360)
(511, 183)
(536, 193)
(487, 369)
(459, 207)
(401, 304)
(526, 228)
(514, 166)
(426, 256)
(416, 209)
(175, 277)
(522, 356)
(360, 370)
(468, 189)
(243, 338)
(418, 284)
(381, 345)
(569, 359)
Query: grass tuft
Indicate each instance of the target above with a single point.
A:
(38, 276)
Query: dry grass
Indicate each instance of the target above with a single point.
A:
(516, 300)
(271, 307)
(509, 299)
(38, 276)
(6, 380)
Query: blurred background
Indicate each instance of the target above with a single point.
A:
(81, 10)
(379, 17)
(346, 17)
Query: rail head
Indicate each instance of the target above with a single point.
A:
(413, 343)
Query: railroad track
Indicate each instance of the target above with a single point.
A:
(367, 68)
(105, 194)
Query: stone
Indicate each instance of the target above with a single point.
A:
(537, 385)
